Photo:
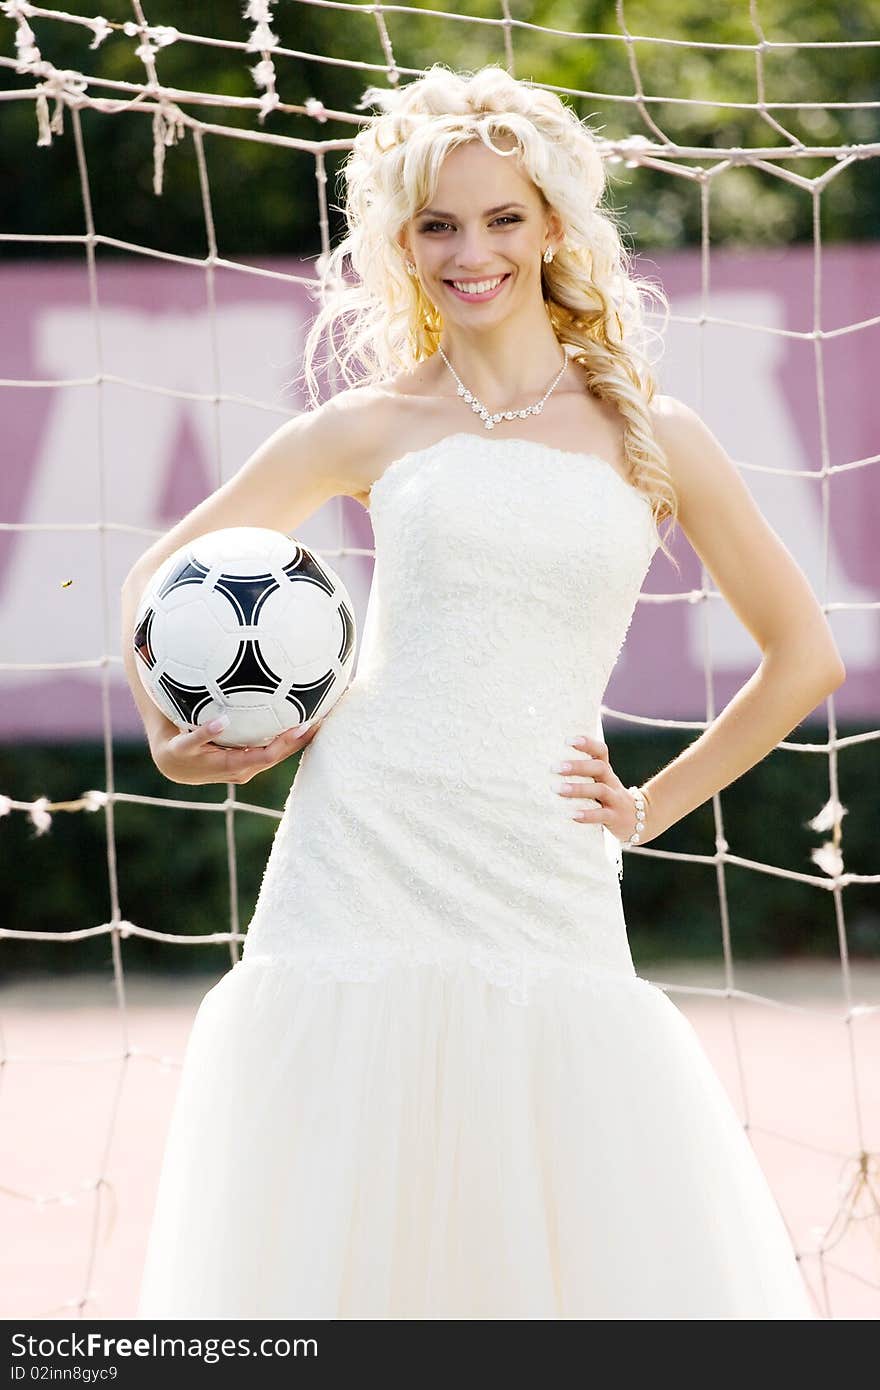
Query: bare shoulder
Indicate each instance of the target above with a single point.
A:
(347, 429)
(368, 422)
(678, 426)
(705, 477)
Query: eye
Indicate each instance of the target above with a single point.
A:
(505, 217)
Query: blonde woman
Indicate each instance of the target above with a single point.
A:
(434, 1086)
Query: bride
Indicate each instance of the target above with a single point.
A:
(434, 1086)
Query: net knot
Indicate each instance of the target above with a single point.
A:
(261, 38)
(39, 815)
(316, 109)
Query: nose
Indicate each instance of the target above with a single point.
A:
(472, 254)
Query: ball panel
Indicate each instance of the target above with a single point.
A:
(142, 642)
(246, 593)
(250, 601)
(166, 705)
(306, 568)
(313, 634)
(244, 549)
(185, 623)
(310, 696)
(250, 724)
(186, 571)
(188, 700)
(346, 619)
(249, 671)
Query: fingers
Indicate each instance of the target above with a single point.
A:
(304, 738)
(192, 756)
(205, 734)
(583, 767)
(598, 802)
(281, 747)
(242, 764)
(191, 739)
(609, 806)
(591, 745)
(596, 789)
(596, 766)
(597, 774)
(289, 742)
(595, 801)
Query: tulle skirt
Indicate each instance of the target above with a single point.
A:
(421, 1145)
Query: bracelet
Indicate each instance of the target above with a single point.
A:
(640, 815)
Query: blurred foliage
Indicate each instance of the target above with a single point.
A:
(172, 864)
(264, 198)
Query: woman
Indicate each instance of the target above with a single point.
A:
(434, 1085)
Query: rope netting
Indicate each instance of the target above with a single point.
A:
(59, 97)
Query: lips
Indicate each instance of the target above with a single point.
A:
(478, 298)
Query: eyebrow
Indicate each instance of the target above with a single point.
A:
(435, 212)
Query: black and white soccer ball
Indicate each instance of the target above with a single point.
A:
(248, 623)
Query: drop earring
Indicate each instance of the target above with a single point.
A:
(548, 255)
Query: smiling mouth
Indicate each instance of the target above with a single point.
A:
(494, 282)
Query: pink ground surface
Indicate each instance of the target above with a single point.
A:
(82, 1126)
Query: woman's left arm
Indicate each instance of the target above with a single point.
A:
(771, 596)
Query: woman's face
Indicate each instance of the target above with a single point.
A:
(485, 226)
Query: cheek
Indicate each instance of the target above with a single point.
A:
(523, 250)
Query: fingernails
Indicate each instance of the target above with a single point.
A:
(217, 724)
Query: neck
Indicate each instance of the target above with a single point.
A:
(496, 368)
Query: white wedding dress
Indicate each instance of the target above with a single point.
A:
(434, 1086)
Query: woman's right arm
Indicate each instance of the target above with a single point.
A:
(285, 481)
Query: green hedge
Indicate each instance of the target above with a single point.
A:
(172, 864)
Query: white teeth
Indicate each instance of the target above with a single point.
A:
(480, 288)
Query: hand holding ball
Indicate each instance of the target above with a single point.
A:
(247, 623)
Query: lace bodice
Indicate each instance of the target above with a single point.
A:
(558, 541)
(424, 815)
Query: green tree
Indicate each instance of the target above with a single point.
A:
(264, 198)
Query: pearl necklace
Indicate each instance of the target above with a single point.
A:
(490, 420)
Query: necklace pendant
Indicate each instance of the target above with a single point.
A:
(489, 420)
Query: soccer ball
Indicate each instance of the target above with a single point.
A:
(249, 623)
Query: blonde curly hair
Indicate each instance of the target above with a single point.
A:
(593, 300)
